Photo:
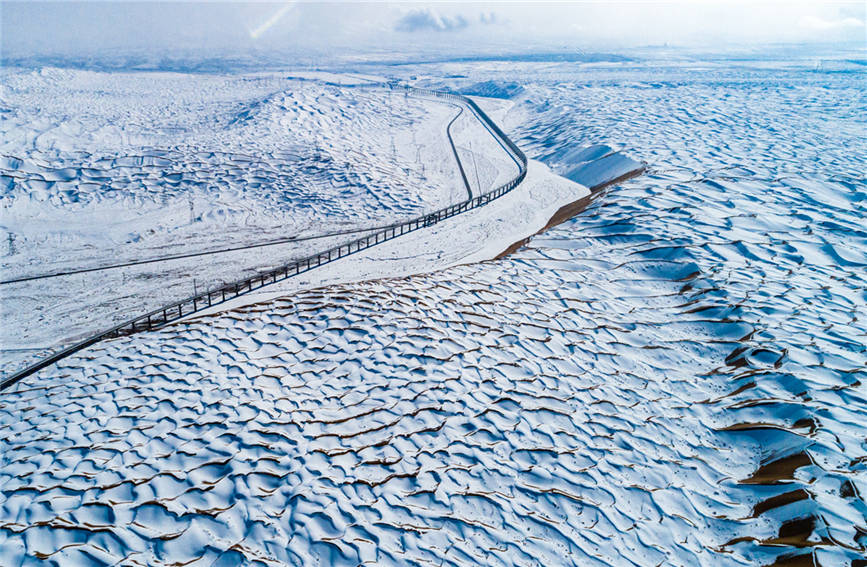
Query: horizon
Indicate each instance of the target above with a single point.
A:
(420, 30)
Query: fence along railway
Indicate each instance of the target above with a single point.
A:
(175, 311)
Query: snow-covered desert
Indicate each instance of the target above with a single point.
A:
(639, 339)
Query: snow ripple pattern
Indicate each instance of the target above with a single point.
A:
(753, 213)
(676, 376)
(425, 420)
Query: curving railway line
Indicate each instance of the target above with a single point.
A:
(160, 317)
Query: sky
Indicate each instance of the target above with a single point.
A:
(93, 28)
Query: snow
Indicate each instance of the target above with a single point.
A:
(142, 162)
(475, 236)
(673, 377)
(107, 169)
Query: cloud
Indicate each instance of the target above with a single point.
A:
(821, 24)
(425, 19)
(489, 18)
(70, 29)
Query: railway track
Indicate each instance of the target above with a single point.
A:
(178, 310)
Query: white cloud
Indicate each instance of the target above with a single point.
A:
(426, 19)
(821, 24)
